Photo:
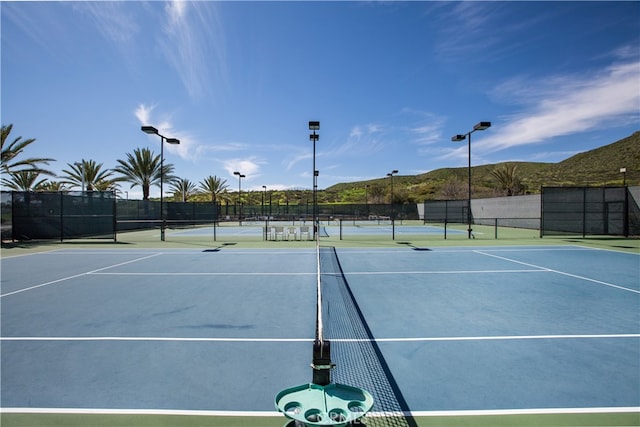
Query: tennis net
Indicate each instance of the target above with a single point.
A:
(358, 359)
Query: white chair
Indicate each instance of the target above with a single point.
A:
(280, 231)
(292, 231)
(305, 230)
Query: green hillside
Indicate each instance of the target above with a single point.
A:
(600, 166)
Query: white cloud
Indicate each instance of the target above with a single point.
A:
(188, 146)
(565, 105)
(143, 113)
(248, 167)
(356, 132)
(112, 19)
(427, 130)
(194, 45)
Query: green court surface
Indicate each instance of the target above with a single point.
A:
(407, 244)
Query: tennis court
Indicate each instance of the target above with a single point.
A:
(117, 334)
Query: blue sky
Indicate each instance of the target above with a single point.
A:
(390, 83)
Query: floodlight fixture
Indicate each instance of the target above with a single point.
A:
(482, 126)
(458, 138)
(150, 130)
(314, 125)
(173, 141)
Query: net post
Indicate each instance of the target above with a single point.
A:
(322, 362)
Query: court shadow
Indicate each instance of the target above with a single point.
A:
(412, 246)
(219, 248)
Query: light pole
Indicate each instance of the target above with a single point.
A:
(265, 215)
(314, 126)
(390, 175)
(153, 131)
(264, 198)
(81, 169)
(462, 137)
(240, 176)
(623, 171)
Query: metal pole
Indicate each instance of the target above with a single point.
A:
(469, 194)
(161, 188)
(315, 187)
(390, 175)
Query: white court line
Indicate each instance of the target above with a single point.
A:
(560, 272)
(373, 273)
(213, 413)
(76, 276)
(508, 338)
(186, 273)
(253, 340)
(160, 339)
(51, 252)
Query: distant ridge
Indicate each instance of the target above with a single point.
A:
(600, 166)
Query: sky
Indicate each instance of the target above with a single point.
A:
(390, 82)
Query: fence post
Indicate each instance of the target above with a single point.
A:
(114, 213)
(625, 214)
(61, 217)
(584, 212)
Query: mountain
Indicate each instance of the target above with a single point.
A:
(600, 166)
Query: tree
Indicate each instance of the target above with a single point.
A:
(454, 189)
(9, 161)
(214, 186)
(24, 180)
(507, 178)
(88, 174)
(143, 168)
(183, 188)
(376, 194)
(52, 186)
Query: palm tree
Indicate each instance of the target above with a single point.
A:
(9, 161)
(214, 186)
(106, 185)
(143, 168)
(87, 174)
(183, 188)
(52, 186)
(507, 178)
(24, 180)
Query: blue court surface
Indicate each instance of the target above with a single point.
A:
(492, 329)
